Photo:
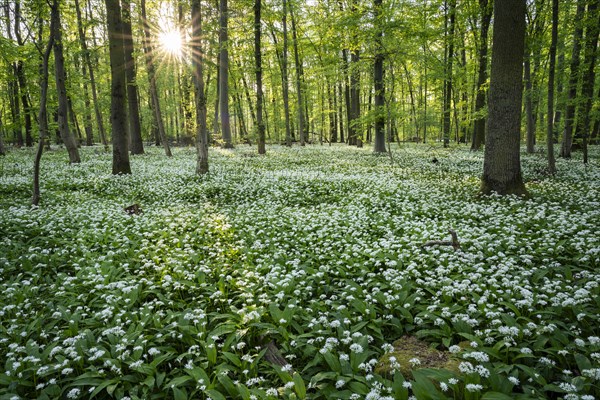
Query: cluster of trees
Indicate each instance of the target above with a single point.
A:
(289, 71)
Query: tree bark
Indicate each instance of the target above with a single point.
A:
(378, 81)
(13, 88)
(485, 9)
(587, 89)
(567, 142)
(502, 163)
(60, 76)
(133, 105)
(260, 126)
(42, 114)
(551, 72)
(149, 51)
(529, 112)
(22, 79)
(200, 96)
(284, 71)
(88, 64)
(224, 75)
(299, 88)
(448, 73)
(118, 103)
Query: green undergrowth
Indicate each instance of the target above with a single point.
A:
(317, 250)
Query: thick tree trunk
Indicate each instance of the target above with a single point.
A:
(200, 96)
(551, 72)
(88, 64)
(61, 88)
(42, 114)
(260, 126)
(378, 81)
(118, 91)
(149, 50)
(133, 105)
(485, 9)
(448, 73)
(502, 163)
(567, 142)
(224, 75)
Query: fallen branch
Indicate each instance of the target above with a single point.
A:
(454, 242)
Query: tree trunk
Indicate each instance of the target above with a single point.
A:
(502, 163)
(13, 87)
(378, 81)
(485, 9)
(149, 50)
(200, 96)
(529, 112)
(448, 75)
(587, 89)
(260, 126)
(22, 79)
(551, 72)
(60, 77)
(567, 142)
(299, 77)
(343, 91)
(42, 114)
(284, 77)
(224, 75)
(332, 114)
(135, 130)
(118, 103)
(88, 64)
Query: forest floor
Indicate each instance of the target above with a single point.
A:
(316, 251)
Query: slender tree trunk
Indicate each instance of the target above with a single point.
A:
(60, 77)
(589, 77)
(529, 112)
(299, 77)
(260, 126)
(88, 64)
(343, 91)
(285, 78)
(149, 51)
(448, 75)
(200, 96)
(567, 142)
(2, 149)
(224, 75)
(502, 163)
(332, 115)
(135, 130)
(22, 79)
(13, 86)
(485, 9)
(42, 115)
(551, 72)
(378, 81)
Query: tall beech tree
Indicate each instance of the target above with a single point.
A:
(451, 21)
(224, 74)
(260, 126)
(567, 140)
(502, 160)
(552, 68)
(151, 70)
(378, 79)
(42, 113)
(118, 91)
(485, 11)
(200, 96)
(89, 69)
(133, 103)
(61, 88)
